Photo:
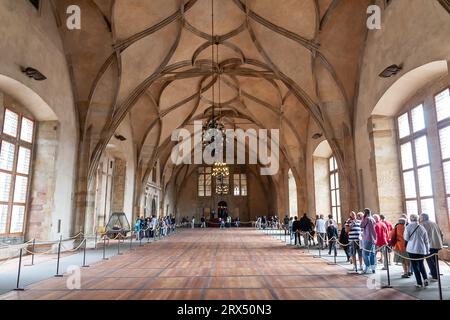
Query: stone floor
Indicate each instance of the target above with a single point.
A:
(212, 264)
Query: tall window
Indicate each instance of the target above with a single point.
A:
(442, 103)
(240, 184)
(16, 142)
(335, 190)
(204, 181)
(415, 162)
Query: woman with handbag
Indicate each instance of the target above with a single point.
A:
(417, 247)
(397, 243)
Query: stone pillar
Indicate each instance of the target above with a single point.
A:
(386, 166)
(41, 223)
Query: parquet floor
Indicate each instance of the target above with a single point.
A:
(212, 264)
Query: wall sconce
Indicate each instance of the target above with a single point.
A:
(120, 137)
(34, 74)
(390, 71)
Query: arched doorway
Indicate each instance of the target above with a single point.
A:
(222, 209)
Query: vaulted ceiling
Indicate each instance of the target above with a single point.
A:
(147, 63)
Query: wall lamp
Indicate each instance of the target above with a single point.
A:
(34, 74)
(390, 71)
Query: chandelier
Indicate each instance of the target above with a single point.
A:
(220, 169)
(221, 173)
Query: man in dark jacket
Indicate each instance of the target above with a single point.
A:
(296, 231)
(305, 226)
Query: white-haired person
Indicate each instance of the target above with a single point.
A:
(417, 248)
(435, 239)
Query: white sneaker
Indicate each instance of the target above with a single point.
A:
(418, 286)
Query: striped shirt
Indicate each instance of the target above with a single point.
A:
(355, 230)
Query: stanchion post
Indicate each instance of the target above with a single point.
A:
(386, 261)
(131, 240)
(32, 253)
(59, 255)
(118, 245)
(84, 254)
(18, 288)
(439, 276)
(104, 248)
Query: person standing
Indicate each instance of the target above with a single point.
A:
(286, 224)
(369, 239)
(332, 234)
(382, 238)
(296, 231)
(417, 248)
(353, 226)
(305, 227)
(203, 221)
(193, 222)
(435, 239)
(321, 231)
(397, 243)
(389, 228)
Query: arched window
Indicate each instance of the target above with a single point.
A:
(415, 162)
(293, 209)
(335, 190)
(204, 181)
(16, 145)
(442, 103)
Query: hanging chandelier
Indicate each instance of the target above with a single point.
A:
(220, 169)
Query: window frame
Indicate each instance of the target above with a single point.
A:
(335, 173)
(412, 138)
(18, 142)
(204, 174)
(240, 184)
(442, 124)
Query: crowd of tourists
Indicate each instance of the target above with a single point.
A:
(152, 227)
(368, 239)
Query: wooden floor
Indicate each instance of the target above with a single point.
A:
(212, 264)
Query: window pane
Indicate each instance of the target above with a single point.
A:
(201, 180)
(332, 184)
(443, 105)
(18, 213)
(407, 158)
(411, 207)
(425, 187)
(208, 169)
(10, 123)
(338, 215)
(333, 198)
(331, 164)
(421, 151)
(333, 212)
(403, 125)
(410, 185)
(428, 207)
(337, 180)
(236, 190)
(7, 156)
(201, 170)
(418, 121)
(338, 197)
(244, 191)
(5, 186)
(3, 217)
(26, 132)
(20, 189)
(444, 137)
(447, 176)
(208, 191)
(208, 180)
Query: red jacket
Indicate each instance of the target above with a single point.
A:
(382, 233)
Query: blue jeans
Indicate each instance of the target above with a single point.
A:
(369, 254)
